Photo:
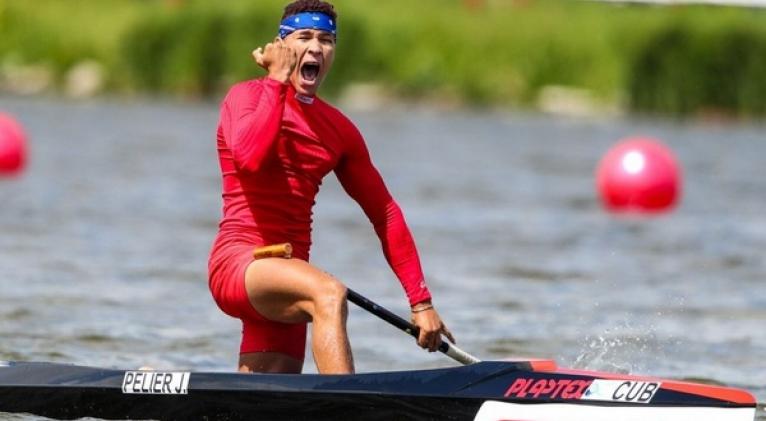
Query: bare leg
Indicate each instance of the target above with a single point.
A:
(294, 291)
(329, 342)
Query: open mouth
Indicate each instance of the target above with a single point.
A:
(310, 71)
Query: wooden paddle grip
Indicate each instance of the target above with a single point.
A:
(284, 250)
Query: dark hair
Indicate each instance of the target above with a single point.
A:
(300, 6)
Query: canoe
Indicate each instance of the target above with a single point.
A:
(534, 390)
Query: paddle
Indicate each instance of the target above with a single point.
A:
(451, 351)
(285, 250)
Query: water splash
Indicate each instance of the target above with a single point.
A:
(625, 348)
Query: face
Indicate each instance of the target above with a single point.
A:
(315, 50)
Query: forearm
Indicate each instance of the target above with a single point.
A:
(401, 253)
(256, 124)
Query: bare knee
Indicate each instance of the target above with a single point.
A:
(330, 300)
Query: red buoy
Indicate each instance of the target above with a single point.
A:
(639, 175)
(13, 146)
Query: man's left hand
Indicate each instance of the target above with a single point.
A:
(431, 327)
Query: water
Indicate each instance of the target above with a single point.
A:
(104, 242)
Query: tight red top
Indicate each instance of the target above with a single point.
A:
(274, 149)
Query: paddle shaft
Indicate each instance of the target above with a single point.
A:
(451, 351)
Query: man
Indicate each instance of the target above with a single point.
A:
(276, 141)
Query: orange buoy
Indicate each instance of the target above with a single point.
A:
(639, 175)
(12, 146)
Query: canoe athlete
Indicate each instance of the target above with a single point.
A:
(276, 141)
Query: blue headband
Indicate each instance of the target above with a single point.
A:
(307, 20)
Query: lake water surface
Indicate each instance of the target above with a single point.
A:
(104, 243)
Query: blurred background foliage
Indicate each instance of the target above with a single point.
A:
(682, 60)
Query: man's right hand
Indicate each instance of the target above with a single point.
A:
(277, 58)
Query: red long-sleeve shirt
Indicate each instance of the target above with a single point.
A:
(274, 150)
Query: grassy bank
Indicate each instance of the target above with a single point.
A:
(493, 53)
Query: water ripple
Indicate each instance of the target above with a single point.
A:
(104, 245)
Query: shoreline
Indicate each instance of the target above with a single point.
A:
(554, 55)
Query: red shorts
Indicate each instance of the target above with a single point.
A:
(227, 266)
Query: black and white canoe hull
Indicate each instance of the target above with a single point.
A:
(487, 391)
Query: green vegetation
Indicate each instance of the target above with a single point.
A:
(677, 60)
(685, 70)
